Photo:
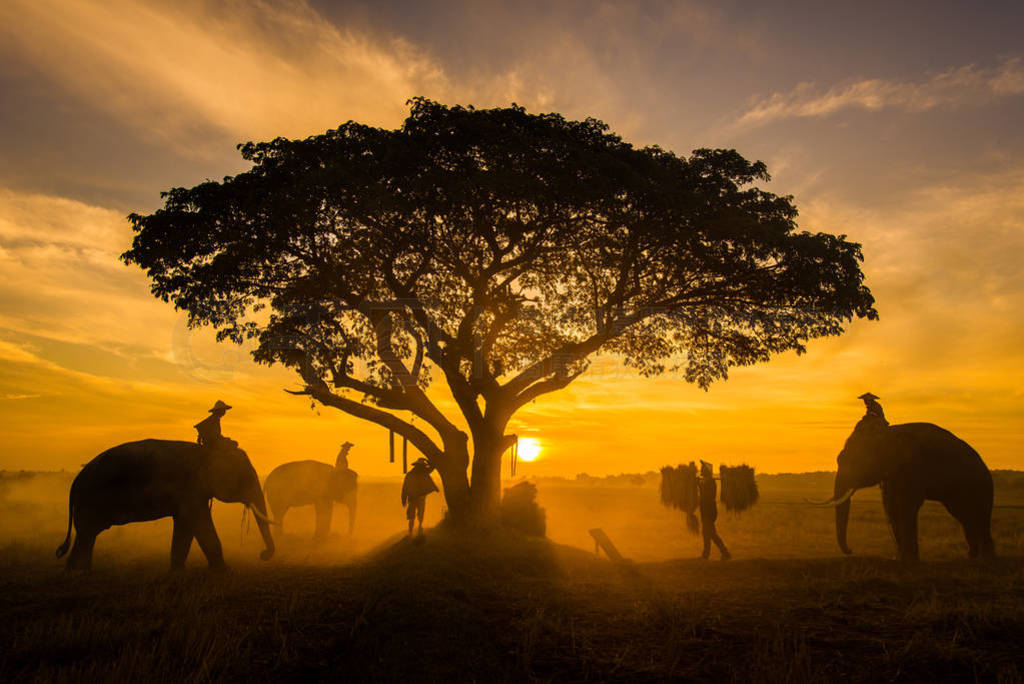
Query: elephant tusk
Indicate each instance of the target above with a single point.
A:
(262, 517)
(833, 501)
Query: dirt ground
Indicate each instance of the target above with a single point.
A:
(376, 605)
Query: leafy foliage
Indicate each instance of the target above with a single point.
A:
(499, 248)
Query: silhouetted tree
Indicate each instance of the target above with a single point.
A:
(499, 250)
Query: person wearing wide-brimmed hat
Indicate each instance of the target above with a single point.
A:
(341, 462)
(709, 511)
(417, 485)
(872, 406)
(209, 428)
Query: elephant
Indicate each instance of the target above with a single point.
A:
(915, 462)
(152, 479)
(304, 483)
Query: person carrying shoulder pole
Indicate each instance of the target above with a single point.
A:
(417, 485)
(709, 512)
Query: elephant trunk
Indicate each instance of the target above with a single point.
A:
(842, 515)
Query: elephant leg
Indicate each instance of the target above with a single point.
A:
(324, 509)
(983, 530)
(279, 517)
(80, 557)
(351, 515)
(181, 542)
(905, 528)
(888, 505)
(895, 512)
(209, 542)
(277, 509)
(977, 524)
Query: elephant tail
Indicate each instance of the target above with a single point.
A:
(63, 548)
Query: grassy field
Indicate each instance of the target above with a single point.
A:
(789, 608)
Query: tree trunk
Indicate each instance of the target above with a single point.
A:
(452, 466)
(488, 448)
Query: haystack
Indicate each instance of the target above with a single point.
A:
(739, 489)
(520, 510)
(679, 491)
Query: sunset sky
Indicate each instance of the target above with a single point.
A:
(898, 124)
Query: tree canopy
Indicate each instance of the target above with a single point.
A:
(495, 250)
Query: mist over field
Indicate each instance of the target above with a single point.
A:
(782, 524)
(375, 605)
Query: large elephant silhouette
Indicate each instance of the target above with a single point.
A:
(915, 462)
(153, 479)
(305, 483)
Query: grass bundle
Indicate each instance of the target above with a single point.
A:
(679, 491)
(667, 477)
(739, 489)
(520, 511)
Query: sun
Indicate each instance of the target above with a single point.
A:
(529, 449)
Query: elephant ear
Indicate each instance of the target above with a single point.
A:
(228, 474)
(342, 482)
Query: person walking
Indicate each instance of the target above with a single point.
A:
(709, 512)
(417, 485)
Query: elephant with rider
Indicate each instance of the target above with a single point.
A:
(914, 463)
(312, 483)
(151, 479)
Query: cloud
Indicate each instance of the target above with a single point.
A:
(253, 70)
(60, 276)
(16, 353)
(957, 86)
(194, 74)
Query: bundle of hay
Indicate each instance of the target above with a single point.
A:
(739, 489)
(520, 511)
(679, 491)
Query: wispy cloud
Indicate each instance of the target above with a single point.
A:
(961, 85)
(249, 69)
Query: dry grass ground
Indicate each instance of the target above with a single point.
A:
(508, 608)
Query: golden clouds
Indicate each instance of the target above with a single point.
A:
(253, 70)
(957, 86)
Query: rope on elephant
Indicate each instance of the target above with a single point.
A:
(391, 446)
(245, 524)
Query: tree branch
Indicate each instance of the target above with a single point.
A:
(374, 415)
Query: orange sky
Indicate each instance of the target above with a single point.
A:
(914, 150)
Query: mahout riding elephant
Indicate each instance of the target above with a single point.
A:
(154, 479)
(305, 483)
(915, 462)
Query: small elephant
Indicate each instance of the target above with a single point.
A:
(154, 479)
(915, 462)
(304, 483)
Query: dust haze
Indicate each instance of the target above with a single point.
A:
(626, 507)
(377, 605)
